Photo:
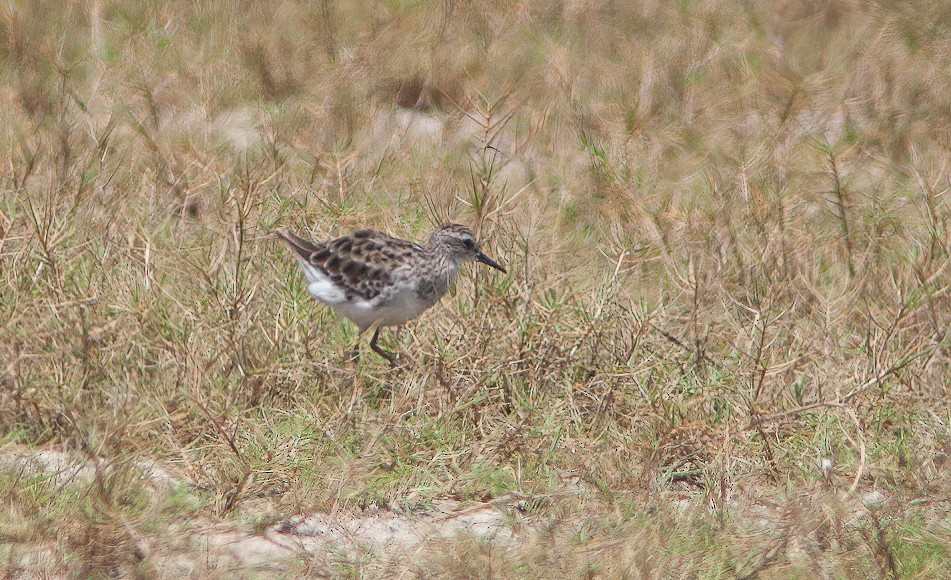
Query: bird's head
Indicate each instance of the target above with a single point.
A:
(460, 244)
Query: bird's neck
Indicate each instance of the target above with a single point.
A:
(442, 275)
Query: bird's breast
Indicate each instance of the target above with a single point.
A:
(432, 286)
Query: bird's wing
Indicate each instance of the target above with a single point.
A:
(361, 264)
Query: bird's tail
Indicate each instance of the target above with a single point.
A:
(301, 247)
(303, 250)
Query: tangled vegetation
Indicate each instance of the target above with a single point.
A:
(721, 348)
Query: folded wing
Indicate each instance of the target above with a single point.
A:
(357, 266)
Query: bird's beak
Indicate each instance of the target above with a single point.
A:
(480, 257)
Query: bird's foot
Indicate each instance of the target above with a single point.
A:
(392, 358)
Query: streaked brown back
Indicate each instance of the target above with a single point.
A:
(360, 263)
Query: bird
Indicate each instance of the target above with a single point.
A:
(377, 280)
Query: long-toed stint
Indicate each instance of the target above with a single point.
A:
(377, 280)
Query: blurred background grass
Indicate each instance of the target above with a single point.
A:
(726, 227)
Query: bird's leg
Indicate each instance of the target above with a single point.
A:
(376, 348)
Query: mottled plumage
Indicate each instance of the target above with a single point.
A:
(377, 280)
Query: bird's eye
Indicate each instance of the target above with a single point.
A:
(468, 243)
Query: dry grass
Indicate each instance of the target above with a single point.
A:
(727, 235)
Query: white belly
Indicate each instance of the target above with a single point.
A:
(395, 312)
(399, 305)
